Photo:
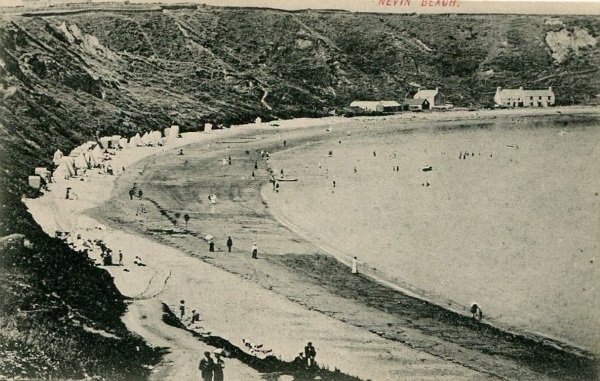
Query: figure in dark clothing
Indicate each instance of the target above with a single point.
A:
(254, 251)
(229, 160)
(182, 308)
(255, 164)
(207, 365)
(299, 362)
(218, 368)
(476, 311)
(229, 244)
(211, 246)
(140, 193)
(131, 193)
(310, 353)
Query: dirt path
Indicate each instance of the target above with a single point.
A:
(182, 351)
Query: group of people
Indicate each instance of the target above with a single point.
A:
(229, 243)
(212, 369)
(306, 359)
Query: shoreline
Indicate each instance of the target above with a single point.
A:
(123, 285)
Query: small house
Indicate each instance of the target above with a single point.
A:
(416, 104)
(380, 106)
(365, 105)
(435, 97)
(524, 98)
(388, 106)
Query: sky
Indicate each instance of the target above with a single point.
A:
(400, 6)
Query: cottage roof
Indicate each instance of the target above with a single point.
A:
(535, 93)
(414, 102)
(389, 103)
(364, 104)
(423, 94)
(511, 93)
(521, 93)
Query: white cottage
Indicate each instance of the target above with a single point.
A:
(524, 98)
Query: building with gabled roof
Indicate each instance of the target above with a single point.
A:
(435, 97)
(416, 104)
(381, 106)
(524, 98)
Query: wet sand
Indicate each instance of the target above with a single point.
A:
(295, 291)
(180, 185)
(512, 226)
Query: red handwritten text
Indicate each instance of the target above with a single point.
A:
(438, 3)
(390, 3)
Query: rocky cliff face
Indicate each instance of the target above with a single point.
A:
(67, 78)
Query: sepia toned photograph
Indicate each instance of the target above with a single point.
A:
(350, 190)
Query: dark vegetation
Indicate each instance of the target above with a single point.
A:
(65, 79)
(270, 366)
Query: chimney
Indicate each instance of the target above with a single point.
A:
(437, 89)
(521, 88)
(550, 88)
(498, 89)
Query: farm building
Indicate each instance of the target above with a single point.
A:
(381, 106)
(524, 98)
(435, 97)
(416, 104)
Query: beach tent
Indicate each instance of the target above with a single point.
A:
(258, 120)
(43, 173)
(207, 127)
(155, 137)
(132, 143)
(97, 154)
(89, 155)
(81, 162)
(65, 169)
(57, 157)
(174, 131)
(105, 142)
(114, 141)
(138, 140)
(145, 139)
(123, 142)
(166, 132)
(35, 181)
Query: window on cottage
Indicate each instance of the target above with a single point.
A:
(549, 98)
(540, 98)
(530, 98)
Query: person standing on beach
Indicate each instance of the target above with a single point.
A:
(254, 251)
(219, 365)
(476, 311)
(181, 309)
(310, 353)
(355, 263)
(120, 258)
(229, 244)
(207, 365)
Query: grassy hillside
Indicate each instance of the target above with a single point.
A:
(65, 79)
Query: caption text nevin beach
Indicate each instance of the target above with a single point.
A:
(422, 3)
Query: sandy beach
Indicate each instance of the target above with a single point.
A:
(279, 300)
